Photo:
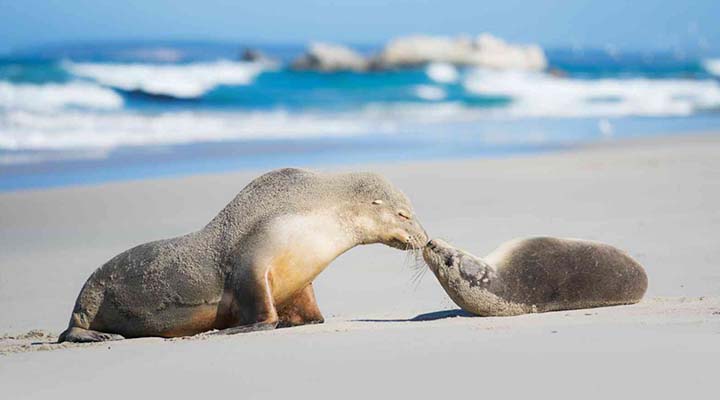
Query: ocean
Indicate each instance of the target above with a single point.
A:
(88, 113)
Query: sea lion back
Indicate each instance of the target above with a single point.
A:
(557, 273)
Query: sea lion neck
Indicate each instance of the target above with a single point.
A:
(236, 220)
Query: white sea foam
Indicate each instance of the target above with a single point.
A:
(712, 66)
(442, 72)
(430, 92)
(538, 94)
(74, 129)
(53, 96)
(181, 81)
(25, 130)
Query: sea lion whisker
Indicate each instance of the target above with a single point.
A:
(409, 260)
(417, 277)
(417, 262)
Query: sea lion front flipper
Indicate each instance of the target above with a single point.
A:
(301, 309)
(254, 308)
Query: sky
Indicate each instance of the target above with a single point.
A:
(689, 25)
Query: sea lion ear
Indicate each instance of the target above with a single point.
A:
(471, 268)
(378, 201)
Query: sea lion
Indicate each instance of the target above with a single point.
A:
(252, 267)
(537, 274)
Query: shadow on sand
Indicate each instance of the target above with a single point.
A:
(425, 317)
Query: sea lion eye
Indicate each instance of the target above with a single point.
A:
(404, 214)
(449, 261)
(377, 202)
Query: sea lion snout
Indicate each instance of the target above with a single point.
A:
(418, 235)
(406, 234)
(434, 244)
(439, 254)
(439, 246)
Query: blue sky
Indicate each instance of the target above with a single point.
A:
(639, 24)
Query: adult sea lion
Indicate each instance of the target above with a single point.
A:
(251, 267)
(537, 274)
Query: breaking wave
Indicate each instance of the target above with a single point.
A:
(183, 81)
(712, 66)
(544, 95)
(76, 129)
(24, 130)
(54, 96)
(430, 92)
(442, 73)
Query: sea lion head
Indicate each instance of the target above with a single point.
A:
(445, 260)
(440, 256)
(383, 214)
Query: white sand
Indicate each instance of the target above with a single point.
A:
(659, 199)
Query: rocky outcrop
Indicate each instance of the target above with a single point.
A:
(256, 56)
(326, 57)
(482, 51)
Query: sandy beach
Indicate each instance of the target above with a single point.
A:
(386, 335)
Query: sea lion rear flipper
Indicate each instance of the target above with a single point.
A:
(258, 326)
(80, 335)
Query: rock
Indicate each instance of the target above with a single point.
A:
(326, 57)
(412, 51)
(482, 51)
(252, 55)
(256, 56)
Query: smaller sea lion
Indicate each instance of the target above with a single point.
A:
(537, 274)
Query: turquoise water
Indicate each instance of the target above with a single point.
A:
(94, 113)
